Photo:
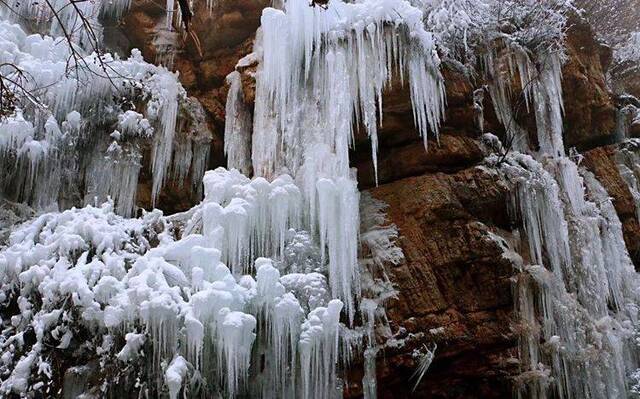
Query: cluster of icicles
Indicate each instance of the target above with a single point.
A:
(203, 321)
(320, 73)
(210, 325)
(84, 129)
(577, 292)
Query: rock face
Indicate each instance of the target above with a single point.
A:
(454, 275)
(455, 288)
(589, 118)
(226, 32)
(602, 162)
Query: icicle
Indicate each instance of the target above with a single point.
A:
(549, 105)
(237, 127)
(115, 175)
(321, 70)
(175, 374)
(592, 303)
(338, 217)
(256, 218)
(537, 202)
(628, 161)
(498, 86)
(319, 351)
(235, 338)
(56, 171)
(163, 143)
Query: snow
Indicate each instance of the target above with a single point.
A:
(176, 306)
(134, 343)
(186, 301)
(273, 284)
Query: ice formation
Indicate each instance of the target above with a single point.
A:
(237, 127)
(628, 160)
(94, 270)
(90, 135)
(274, 283)
(579, 301)
(320, 81)
(577, 291)
(323, 70)
(524, 41)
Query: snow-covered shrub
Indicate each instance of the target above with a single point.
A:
(79, 124)
(466, 29)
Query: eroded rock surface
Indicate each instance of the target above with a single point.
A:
(454, 287)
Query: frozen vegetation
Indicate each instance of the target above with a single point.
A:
(89, 118)
(269, 278)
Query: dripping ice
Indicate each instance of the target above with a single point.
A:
(267, 265)
(579, 294)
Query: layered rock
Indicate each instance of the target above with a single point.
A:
(454, 288)
(603, 163)
(454, 275)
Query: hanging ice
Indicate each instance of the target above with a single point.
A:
(323, 70)
(321, 78)
(237, 127)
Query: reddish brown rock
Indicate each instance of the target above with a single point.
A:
(454, 278)
(589, 117)
(589, 107)
(225, 32)
(601, 161)
(451, 153)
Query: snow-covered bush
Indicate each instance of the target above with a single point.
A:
(78, 125)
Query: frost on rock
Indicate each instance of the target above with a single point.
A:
(576, 287)
(523, 41)
(577, 291)
(628, 161)
(91, 136)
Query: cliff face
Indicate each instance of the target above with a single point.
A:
(454, 275)
(454, 287)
